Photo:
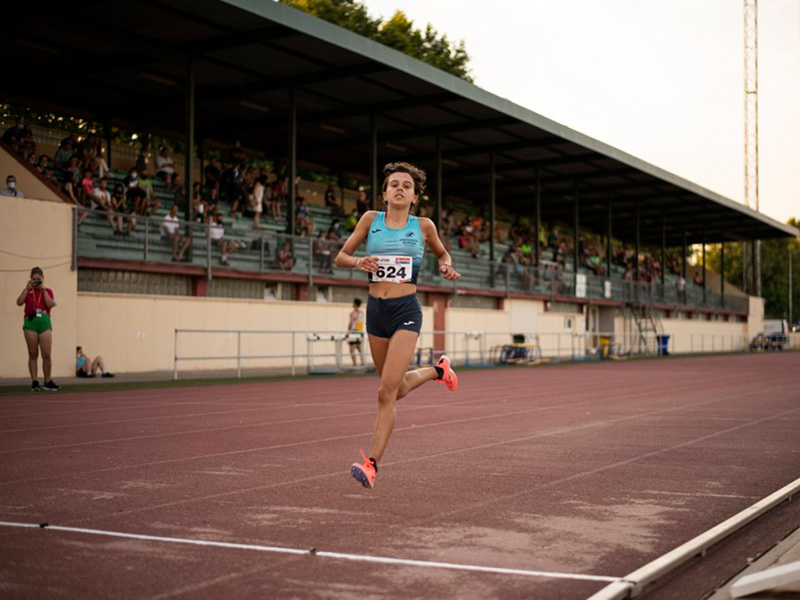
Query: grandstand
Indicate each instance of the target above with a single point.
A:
(303, 94)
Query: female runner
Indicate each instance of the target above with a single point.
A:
(395, 245)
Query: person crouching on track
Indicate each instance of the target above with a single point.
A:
(395, 245)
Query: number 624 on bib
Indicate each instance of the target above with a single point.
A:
(394, 269)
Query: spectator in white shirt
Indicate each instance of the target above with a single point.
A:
(11, 188)
(217, 232)
(171, 233)
(165, 166)
(102, 199)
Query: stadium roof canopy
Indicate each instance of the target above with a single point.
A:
(127, 61)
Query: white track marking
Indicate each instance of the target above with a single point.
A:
(319, 553)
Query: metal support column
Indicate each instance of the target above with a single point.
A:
(722, 272)
(637, 240)
(439, 183)
(609, 232)
(189, 137)
(576, 233)
(492, 207)
(373, 161)
(704, 264)
(663, 249)
(538, 218)
(291, 160)
(683, 251)
(107, 137)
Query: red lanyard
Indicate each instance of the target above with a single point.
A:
(36, 300)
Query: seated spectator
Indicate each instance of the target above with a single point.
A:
(178, 189)
(284, 257)
(119, 206)
(304, 224)
(165, 166)
(200, 210)
(102, 199)
(698, 278)
(88, 368)
(135, 195)
(212, 200)
(212, 174)
(93, 156)
(19, 137)
(42, 166)
(217, 232)
(171, 233)
(63, 154)
(322, 252)
(448, 222)
(69, 185)
(73, 170)
(332, 203)
(72, 138)
(87, 186)
(352, 221)
(362, 202)
(150, 204)
(11, 188)
(143, 158)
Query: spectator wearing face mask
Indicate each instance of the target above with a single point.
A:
(135, 195)
(11, 188)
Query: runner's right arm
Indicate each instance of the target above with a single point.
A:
(345, 258)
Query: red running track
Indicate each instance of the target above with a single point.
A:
(575, 471)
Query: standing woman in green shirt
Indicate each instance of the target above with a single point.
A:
(38, 329)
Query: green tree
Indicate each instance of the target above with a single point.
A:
(398, 33)
(774, 272)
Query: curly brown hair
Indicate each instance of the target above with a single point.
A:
(417, 174)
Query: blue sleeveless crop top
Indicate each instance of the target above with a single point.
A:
(407, 241)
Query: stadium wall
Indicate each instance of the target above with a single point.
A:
(37, 233)
(135, 333)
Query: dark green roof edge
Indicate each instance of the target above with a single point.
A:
(369, 49)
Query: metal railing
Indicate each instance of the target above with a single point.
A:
(324, 351)
(259, 251)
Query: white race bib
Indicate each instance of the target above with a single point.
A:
(393, 269)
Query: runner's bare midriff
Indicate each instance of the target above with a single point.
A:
(391, 290)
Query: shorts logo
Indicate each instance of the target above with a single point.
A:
(408, 323)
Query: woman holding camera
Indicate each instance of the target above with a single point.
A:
(38, 301)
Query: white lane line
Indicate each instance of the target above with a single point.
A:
(319, 553)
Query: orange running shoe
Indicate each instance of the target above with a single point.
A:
(364, 473)
(449, 376)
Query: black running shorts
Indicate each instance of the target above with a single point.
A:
(387, 315)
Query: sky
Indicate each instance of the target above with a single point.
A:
(661, 80)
